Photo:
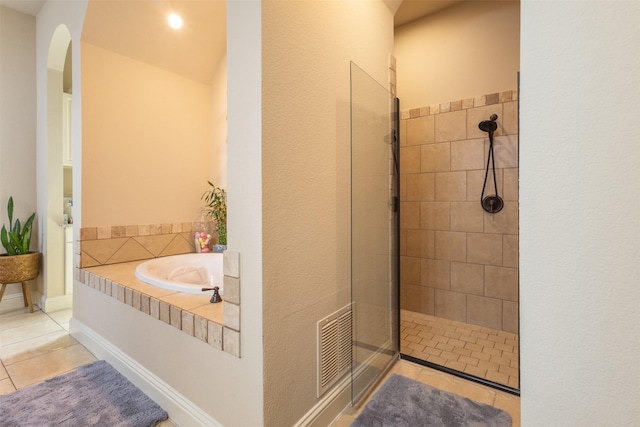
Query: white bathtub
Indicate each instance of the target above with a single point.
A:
(187, 273)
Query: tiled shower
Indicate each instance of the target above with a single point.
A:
(459, 263)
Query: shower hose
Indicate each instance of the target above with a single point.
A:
(491, 204)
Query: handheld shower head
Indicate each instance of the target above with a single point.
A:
(489, 125)
(492, 204)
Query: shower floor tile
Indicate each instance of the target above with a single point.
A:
(479, 351)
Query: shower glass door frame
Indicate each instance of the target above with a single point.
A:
(374, 232)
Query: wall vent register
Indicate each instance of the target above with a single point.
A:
(334, 348)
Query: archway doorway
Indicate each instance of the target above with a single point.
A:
(57, 167)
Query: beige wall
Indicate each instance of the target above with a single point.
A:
(579, 223)
(469, 49)
(306, 49)
(459, 262)
(17, 120)
(67, 180)
(146, 142)
(219, 125)
(17, 113)
(53, 265)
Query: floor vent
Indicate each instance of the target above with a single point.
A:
(334, 348)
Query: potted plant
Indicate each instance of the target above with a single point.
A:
(19, 264)
(216, 200)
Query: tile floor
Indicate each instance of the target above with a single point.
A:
(440, 380)
(37, 346)
(476, 350)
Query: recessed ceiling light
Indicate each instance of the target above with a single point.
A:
(175, 21)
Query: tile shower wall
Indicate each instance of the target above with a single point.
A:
(457, 261)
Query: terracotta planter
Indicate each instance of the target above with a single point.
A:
(19, 269)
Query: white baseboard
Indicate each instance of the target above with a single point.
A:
(15, 301)
(181, 410)
(49, 305)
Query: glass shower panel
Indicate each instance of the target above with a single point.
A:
(374, 232)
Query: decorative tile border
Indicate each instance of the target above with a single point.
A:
(224, 337)
(462, 104)
(117, 244)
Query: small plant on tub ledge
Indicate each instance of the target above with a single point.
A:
(216, 200)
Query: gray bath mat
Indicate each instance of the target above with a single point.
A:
(92, 395)
(403, 402)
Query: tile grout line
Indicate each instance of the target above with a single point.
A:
(8, 375)
(464, 357)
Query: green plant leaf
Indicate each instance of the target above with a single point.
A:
(216, 201)
(5, 240)
(25, 246)
(26, 233)
(18, 239)
(10, 212)
(12, 245)
(16, 242)
(29, 221)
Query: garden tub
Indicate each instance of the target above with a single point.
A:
(188, 273)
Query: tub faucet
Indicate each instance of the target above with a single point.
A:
(216, 295)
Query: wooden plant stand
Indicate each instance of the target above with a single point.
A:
(19, 269)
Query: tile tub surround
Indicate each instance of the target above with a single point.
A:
(215, 324)
(457, 261)
(118, 244)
